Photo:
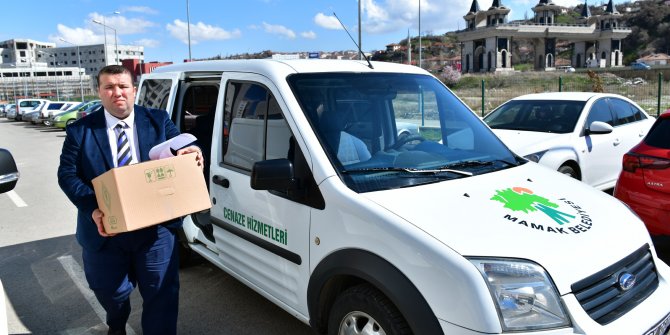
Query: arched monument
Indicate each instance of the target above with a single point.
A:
(487, 38)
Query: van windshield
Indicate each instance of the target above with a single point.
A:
(390, 130)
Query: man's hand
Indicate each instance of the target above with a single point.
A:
(198, 157)
(97, 218)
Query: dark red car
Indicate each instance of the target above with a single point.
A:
(644, 182)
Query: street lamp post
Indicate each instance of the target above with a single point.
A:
(188, 30)
(420, 44)
(4, 87)
(81, 85)
(360, 43)
(14, 88)
(13, 83)
(104, 29)
(55, 72)
(32, 79)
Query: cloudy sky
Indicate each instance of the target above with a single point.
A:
(228, 27)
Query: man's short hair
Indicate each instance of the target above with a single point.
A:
(113, 69)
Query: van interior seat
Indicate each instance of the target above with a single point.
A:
(348, 148)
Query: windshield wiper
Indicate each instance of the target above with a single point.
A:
(411, 170)
(476, 163)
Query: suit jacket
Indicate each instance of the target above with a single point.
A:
(87, 154)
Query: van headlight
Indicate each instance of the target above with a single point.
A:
(524, 295)
(536, 156)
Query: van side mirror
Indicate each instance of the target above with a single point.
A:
(9, 174)
(273, 174)
(599, 127)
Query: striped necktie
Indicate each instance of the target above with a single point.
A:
(123, 153)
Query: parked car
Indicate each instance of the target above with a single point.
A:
(2, 110)
(10, 111)
(580, 134)
(644, 182)
(7, 109)
(566, 69)
(65, 118)
(92, 108)
(32, 117)
(640, 66)
(407, 128)
(48, 110)
(26, 106)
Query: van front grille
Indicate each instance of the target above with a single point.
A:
(605, 296)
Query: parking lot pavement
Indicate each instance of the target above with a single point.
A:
(40, 261)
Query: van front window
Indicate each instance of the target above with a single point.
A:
(390, 130)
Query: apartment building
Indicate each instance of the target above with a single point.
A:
(30, 68)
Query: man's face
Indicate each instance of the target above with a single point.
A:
(117, 94)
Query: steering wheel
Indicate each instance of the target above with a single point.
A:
(402, 140)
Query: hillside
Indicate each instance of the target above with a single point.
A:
(649, 21)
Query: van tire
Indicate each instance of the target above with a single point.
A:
(363, 309)
(569, 171)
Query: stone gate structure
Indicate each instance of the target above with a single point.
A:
(487, 39)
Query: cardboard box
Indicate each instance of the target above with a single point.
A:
(149, 193)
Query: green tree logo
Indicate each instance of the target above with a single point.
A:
(524, 200)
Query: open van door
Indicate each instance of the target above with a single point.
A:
(157, 90)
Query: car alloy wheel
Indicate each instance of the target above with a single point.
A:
(363, 309)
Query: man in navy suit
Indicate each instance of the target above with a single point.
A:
(117, 134)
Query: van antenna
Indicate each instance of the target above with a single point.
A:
(356, 44)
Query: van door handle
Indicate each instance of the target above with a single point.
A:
(219, 180)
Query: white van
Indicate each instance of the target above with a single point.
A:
(24, 106)
(321, 207)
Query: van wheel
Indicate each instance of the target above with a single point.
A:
(568, 170)
(365, 310)
(70, 121)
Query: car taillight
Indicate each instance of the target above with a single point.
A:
(632, 162)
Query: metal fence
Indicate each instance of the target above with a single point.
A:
(648, 88)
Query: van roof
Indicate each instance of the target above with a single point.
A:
(285, 67)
